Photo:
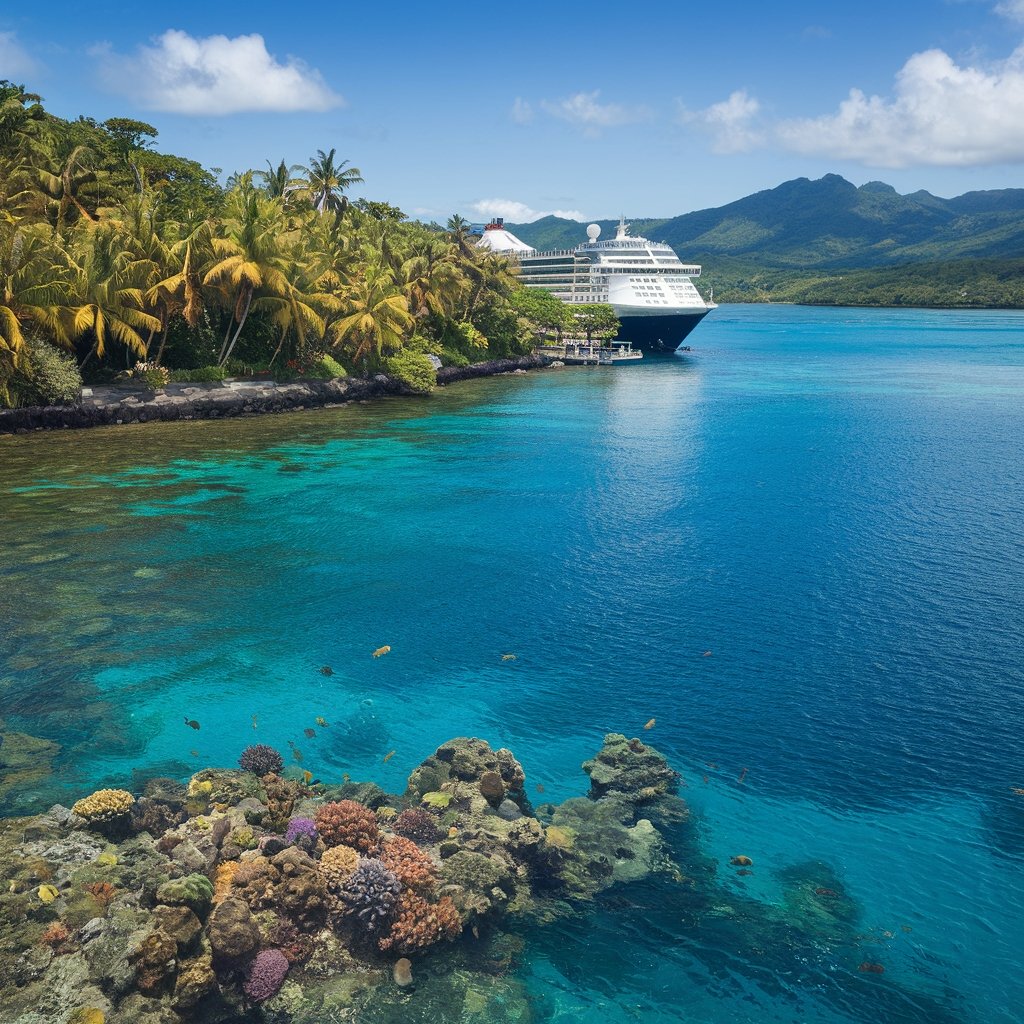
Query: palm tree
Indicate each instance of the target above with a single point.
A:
(325, 183)
(108, 291)
(70, 186)
(432, 280)
(377, 318)
(278, 181)
(250, 257)
(34, 282)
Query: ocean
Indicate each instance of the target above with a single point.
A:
(799, 548)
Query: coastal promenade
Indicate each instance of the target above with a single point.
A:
(130, 403)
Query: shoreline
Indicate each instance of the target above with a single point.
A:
(118, 406)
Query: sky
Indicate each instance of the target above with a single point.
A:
(588, 110)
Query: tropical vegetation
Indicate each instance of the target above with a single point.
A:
(114, 255)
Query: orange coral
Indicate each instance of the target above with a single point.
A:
(56, 935)
(420, 924)
(410, 865)
(101, 892)
(337, 865)
(347, 823)
(224, 879)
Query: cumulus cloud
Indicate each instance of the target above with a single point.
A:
(522, 112)
(582, 108)
(940, 114)
(211, 75)
(732, 124)
(14, 60)
(518, 213)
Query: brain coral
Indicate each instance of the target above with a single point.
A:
(410, 865)
(266, 974)
(419, 924)
(261, 760)
(371, 894)
(347, 823)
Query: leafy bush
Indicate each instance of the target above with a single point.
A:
(328, 368)
(153, 375)
(452, 358)
(46, 377)
(413, 369)
(202, 375)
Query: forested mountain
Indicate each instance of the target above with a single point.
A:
(826, 224)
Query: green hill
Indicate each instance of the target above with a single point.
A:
(791, 239)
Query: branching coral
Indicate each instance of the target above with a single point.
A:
(418, 825)
(347, 823)
(266, 975)
(261, 760)
(371, 894)
(410, 865)
(419, 924)
(337, 865)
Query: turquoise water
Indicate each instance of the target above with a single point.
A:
(830, 502)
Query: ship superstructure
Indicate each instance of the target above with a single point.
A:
(650, 288)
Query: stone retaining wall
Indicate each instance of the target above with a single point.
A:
(128, 404)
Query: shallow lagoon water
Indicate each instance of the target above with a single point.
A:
(827, 501)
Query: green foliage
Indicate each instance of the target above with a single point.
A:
(450, 357)
(45, 377)
(507, 334)
(154, 376)
(544, 312)
(413, 369)
(595, 320)
(328, 368)
(201, 375)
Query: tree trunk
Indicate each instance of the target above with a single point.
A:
(277, 351)
(163, 340)
(88, 356)
(241, 324)
(149, 341)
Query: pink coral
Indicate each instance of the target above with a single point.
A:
(410, 865)
(347, 823)
(266, 975)
(419, 924)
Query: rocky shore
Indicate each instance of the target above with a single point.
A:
(133, 404)
(246, 895)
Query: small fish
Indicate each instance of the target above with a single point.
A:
(191, 723)
(296, 753)
(475, 931)
(321, 721)
(712, 765)
(346, 778)
(194, 753)
(906, 928)
(381, 651)
(888, 934)
(706, 654)
(309, 733)
(254, 721)
(744, 871)
(508, 657)
(539, 787)
(743, 775)
(327, 671)
(869, 968)
(390, 754)
(291, 743)
(829, 894)
(650, 723)
(307, 777)
(705, 780)
(1017, 792)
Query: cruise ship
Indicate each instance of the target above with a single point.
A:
(646, 283)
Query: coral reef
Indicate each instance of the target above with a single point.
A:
(107, 811)
(302, 832)
(261, 760)
(346, 823)
(266, 975)
(337, 865)
(418, 825)
(409, 864)
(419, 924)
(371, 894)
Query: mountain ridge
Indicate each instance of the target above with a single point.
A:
(825, 224)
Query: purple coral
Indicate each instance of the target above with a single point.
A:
(301, 832)
(371, 893)
(266, 975)
(417, 825)
(261, 760)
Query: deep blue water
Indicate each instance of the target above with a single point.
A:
(830, 502)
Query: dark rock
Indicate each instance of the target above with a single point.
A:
(231, 930)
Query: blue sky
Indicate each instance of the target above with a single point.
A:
(589, 109)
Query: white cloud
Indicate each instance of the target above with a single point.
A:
(14, 60)
(1013, 9)
(522, 112)
(583, 109)
(518, 213)
(941, 114)
(214, 75)
(731, 123)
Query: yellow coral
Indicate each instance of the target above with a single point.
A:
(562, 838)
(222, 880)
(104, 805)
(386, 813)
(337, 865)
(197, 788)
